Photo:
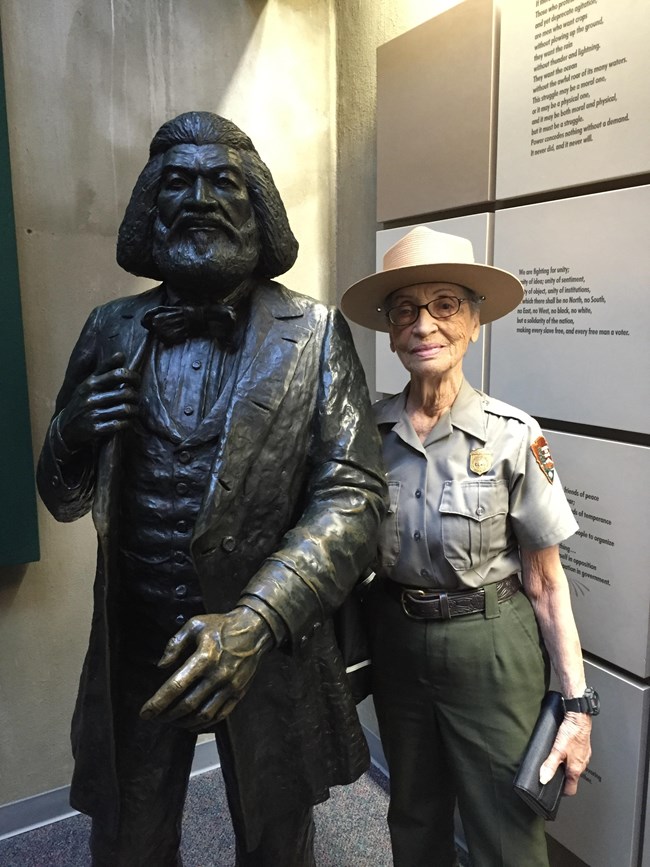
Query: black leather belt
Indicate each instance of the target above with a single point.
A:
(423, 604)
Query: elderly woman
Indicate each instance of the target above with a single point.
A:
(460, 653)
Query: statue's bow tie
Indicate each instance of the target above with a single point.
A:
(176, 324)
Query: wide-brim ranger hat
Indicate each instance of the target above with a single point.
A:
(427, 256)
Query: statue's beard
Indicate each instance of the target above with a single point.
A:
(211, 261)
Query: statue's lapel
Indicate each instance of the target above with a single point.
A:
(275, 339)
(123, 333)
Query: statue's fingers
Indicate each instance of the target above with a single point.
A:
(119, 380)
(228, 707)
(192, 702)
(174, 688)
(109, 428)
(167, 695)
(117, 359)
(111, 406)
(215, 709)
(178, 643)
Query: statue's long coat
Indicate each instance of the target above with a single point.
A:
(290, 515)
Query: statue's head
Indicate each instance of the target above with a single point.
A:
(205, 208)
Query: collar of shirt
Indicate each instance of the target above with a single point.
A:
(173, 299)
(466, 413)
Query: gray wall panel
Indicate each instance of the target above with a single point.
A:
(574, 102)
(436, 119)
(580, 337)
(606, 562)
(602, 824)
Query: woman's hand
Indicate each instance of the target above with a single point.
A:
(572, 746)
(547, 588)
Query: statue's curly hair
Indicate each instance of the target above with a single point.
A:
(279, 247)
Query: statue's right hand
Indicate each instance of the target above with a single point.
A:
(103, 404)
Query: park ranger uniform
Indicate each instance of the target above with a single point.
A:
(459, 665)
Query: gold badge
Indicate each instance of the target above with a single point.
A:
(542, 452)
(480, 461)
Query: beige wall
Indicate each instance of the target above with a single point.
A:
(88, 83)
(363, 25)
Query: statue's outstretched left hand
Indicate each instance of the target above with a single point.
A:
(208, 685)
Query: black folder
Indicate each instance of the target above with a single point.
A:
(544, 800)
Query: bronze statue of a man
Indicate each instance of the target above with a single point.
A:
(219, 427)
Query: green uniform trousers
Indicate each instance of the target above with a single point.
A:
(456, 702)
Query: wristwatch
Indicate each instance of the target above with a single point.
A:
(588, 702)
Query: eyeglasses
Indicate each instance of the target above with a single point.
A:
(442, 307)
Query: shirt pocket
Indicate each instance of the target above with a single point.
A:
(473, 518)
(389, 545)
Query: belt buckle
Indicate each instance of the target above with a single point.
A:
(439, 596)
(403, 597)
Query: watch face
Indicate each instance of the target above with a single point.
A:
(594, 701)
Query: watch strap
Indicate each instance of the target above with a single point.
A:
(588, 703)
(576, 705)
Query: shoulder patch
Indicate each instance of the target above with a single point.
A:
(542, 452)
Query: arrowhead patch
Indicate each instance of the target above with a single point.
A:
(542, 452)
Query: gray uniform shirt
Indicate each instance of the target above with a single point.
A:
(462, 502)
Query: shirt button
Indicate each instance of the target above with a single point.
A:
(196, 365)
(56, 481)
(180, 619)
(424, 573)
(184, 456)
(418, 493)
(182, 527)
(480, 511)
(188, 410)
(417, 536)
(228, 544)
(181, 591)
(182, 488)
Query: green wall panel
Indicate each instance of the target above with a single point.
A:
(18, 522)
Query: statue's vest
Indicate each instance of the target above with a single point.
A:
(166, 463)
